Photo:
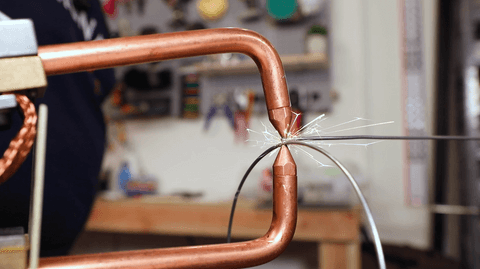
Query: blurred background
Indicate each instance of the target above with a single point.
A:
(178, 139)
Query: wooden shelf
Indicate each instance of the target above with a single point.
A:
(190, 219)
(336, 231)
(293, 62)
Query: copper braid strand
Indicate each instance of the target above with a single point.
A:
(21, 145)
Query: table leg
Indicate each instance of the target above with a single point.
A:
(339, 256)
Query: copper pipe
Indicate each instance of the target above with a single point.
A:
(91, 55)
(85, 56)
(21, 145)
(235, 255)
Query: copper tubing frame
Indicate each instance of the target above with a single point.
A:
(91, 55)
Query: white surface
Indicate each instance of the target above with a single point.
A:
(7, 101)
(18, 38)
(397, 223)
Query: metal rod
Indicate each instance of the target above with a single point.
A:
(455, 209)
(38, 183)
(235, 255)
(92, 55)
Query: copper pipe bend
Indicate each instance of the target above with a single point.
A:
(91, 55)
(21, 145)
(234, 255)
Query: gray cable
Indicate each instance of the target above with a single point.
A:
(383, 137)
(371, 222)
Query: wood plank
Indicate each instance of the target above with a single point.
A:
(354, 256)
(131, 216)
(332, 256)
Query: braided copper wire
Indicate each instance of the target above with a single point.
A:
(21, 145)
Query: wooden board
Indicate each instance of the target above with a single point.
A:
(132, 216)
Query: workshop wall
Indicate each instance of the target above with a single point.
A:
(202, 160)
(366, 74)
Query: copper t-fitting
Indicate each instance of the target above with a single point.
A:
(91, 55)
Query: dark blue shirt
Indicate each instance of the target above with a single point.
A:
(76, 129)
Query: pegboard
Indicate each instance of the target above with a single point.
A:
(313, 86)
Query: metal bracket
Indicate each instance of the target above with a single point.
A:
(20, 66)
(17, 37)
(7, 101)
(22, 73)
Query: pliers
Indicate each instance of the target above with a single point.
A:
(220, 102)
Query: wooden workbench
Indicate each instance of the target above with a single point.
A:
(335, 230)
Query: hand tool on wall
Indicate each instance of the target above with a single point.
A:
(298, 117)
(220, 102)
(179, 12)
(141, 6)
(245, 101)
(253, 12)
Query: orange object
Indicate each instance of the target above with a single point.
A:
(212, 9)
(21, 145)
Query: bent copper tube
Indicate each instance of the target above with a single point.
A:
(234, 255)
(91, 55)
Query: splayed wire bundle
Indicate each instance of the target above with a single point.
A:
(311, 133)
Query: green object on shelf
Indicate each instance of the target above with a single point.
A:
(191, 107)
(282, 9)
(317, 29)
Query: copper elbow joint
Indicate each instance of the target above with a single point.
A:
(91, 55)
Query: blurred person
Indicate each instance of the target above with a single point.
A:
(76, 128)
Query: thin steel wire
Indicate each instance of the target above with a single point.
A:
(383, 137)
(234, 204)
